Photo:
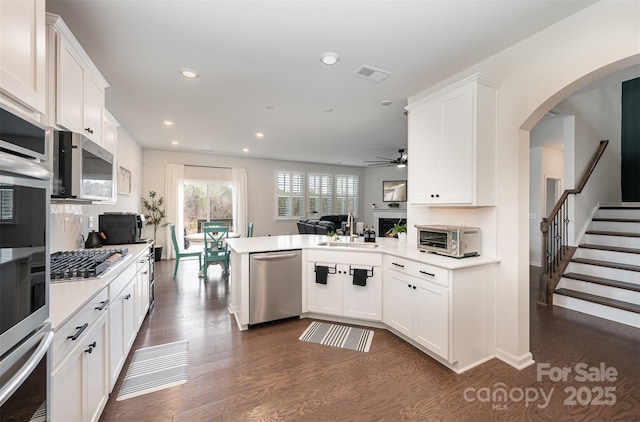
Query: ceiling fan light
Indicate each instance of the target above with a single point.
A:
(401, 165)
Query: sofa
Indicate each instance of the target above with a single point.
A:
(324, 225)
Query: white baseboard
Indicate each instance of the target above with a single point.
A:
(518, 362)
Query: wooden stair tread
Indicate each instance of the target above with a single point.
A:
(607, 233)
(607, 264)
(610, 248)
(626, 306)
(617, 220)
(604, 281)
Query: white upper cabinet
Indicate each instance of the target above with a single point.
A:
(110, 133)
(452, 143)
(76, 85)
(23, 53)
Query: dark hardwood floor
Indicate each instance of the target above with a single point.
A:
(266, 374)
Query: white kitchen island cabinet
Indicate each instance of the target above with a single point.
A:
(441, 305)
(340, 297)
(448, 314)
(452, 141)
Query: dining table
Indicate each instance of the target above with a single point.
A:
(199, 237)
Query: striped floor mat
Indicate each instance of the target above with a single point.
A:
(338, 336)
(155, 368)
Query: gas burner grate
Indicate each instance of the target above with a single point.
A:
(79, 264)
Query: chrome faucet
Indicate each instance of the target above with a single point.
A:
(351, 227)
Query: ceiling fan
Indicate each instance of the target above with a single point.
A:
(401, 161)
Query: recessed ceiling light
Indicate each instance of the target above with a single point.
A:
(327, 109)
(207, 150)
(245, 149)
(174, 142)
(329, 58)
(269, 106)
(168, 123)
(189, 73)
(385, 102)
(259, 135)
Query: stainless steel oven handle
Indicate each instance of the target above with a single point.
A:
(19, 378)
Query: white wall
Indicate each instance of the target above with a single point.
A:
(374, 176)
(536, 74)
(545, 162)
(260, 183)
(69, 221)
(598, 116)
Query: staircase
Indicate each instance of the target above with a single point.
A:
(603, 276)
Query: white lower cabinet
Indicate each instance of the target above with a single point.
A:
(122, 329)
(418, 310)
(142, 289)
(79, 384)
(340, 296)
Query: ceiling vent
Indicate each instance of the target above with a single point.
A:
(371, 74)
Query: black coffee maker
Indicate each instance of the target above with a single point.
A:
(121, 228)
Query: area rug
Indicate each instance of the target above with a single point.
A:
(155, 368)
(338, 336)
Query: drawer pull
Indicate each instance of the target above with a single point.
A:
(426, 273)
(397, 265)
(102, 305)
(79, 332)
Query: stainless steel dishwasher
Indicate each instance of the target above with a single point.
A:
(275, 285)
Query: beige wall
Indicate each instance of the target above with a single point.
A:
(536, 74)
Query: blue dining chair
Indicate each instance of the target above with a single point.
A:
(215, 247)
(182, 253)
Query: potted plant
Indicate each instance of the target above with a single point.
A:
(400, 231)
(154, 216)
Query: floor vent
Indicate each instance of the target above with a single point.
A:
(371, 74)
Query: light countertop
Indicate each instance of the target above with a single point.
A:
(66, 297)
(390, 246)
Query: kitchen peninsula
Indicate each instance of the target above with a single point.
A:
(443, 306)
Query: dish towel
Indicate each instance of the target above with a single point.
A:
(359, 277)
(321, 274)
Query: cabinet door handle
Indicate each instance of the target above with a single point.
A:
(397, 265)
(91, 347)
(409, 285)
(426, 273)
(415, 287)
(127, 297)
(146, 272)
(102, 305)
(79, 332)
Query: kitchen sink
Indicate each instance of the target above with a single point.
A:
(357, 245)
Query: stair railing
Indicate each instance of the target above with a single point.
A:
(556, 251)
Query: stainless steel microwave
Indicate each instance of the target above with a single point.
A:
(454, 241)
(82, 169)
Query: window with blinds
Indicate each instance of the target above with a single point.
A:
(320, 193)
(290, 192)
(346, 196)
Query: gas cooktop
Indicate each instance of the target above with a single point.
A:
(79, 264)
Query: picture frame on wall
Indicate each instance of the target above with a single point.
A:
(394, 191)
(124, 181)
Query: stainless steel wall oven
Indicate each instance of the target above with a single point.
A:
(25, 337)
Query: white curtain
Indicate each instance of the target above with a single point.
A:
(174, 205)
(239, 178)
